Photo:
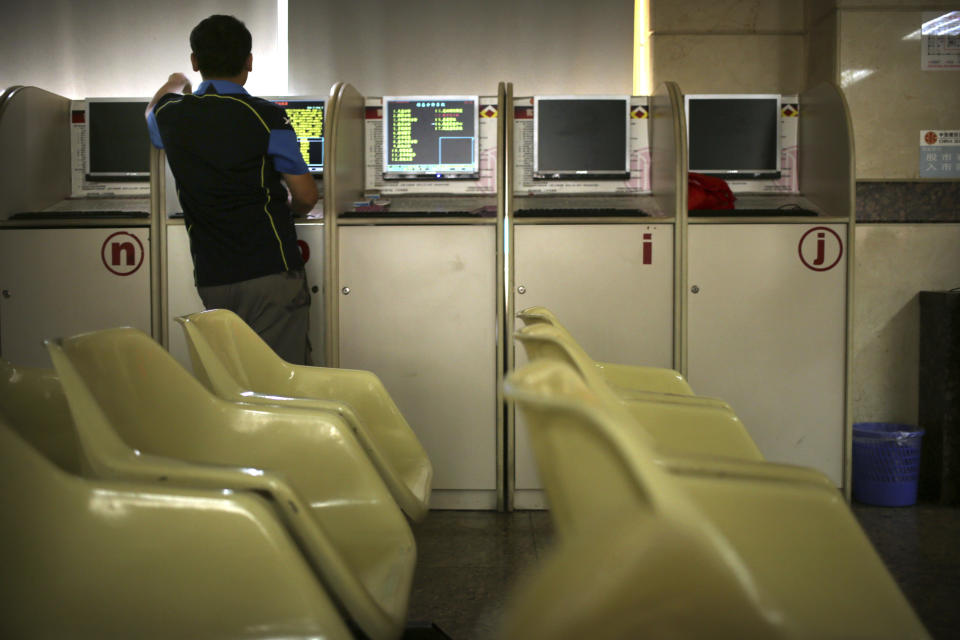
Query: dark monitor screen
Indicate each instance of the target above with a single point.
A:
(581, 136)
(118, 144)
(734, 136)
(306, 116)
(430, 137)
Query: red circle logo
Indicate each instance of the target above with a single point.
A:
(304, 251)
(820, 249)
(930, 137)
(122, 253)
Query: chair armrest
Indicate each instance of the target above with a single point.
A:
(644, 378)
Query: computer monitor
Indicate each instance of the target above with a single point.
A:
(430, 137)
(307, 116)
(734, 136)
(118, 144)
(581, 137)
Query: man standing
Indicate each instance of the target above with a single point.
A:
(231, 154)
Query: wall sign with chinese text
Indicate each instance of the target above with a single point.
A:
(939, 154)
(940, 41)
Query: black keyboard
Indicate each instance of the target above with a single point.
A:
(751, 213)
(386, 213)
(578, 213)
(77, 215)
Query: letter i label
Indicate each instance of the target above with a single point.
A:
(648, 248)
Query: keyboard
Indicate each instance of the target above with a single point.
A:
(386, 213)
(77, 215)
(751, 213)
(578, 213)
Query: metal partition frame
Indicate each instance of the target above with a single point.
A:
(668, 159)
(342, 184)
(828, 178)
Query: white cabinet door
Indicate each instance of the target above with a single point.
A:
(612, 287)
(60, 282)
(183, 299)
(767, 333)
(421, 314)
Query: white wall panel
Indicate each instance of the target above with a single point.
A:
(124, 48)
(385, 48)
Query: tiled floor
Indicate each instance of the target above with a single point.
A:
(921, 547)
(468, 561)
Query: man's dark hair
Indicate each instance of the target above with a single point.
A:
(221, 44)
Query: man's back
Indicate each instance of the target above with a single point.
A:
(221, 144)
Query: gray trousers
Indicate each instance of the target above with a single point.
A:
(277, 307)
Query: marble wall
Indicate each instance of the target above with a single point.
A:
(891, 98)
(435, 46)
(748, 46)
(894, 262)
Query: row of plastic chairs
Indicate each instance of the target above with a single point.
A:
(262, 499)
(671, 523)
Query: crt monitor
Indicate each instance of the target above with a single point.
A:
(734, 136)
(306, 117)
(118, 144)
(430, 137)
(581, 137)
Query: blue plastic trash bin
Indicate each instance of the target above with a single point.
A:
(886, 463)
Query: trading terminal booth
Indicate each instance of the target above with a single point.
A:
(768, 285)
(75, 226)
(415, 270)
(593, 211)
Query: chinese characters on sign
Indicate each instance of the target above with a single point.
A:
(939, 154)
(940, 41)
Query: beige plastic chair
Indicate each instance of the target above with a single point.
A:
(677, 424)
(33, 402)
(87, 558)
(140, 415)
(236, 364)
(701, 554)
(622, 378)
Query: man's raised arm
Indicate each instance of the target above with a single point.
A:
(176, 83)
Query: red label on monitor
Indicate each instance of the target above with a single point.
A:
(78, 117)
(374, 113)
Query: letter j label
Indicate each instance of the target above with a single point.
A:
(820, 249)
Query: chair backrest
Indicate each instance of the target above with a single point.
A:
(543, 340)
(638, 577)
(133, 385)
(228, 355)
(80, 547)
(591, 469)
(623, 379)
(540, 315)
(34, 404)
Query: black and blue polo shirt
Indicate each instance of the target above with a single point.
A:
(227, 150)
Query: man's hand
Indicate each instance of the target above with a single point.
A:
(176, 83)
(179, 83)
(303, 192)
